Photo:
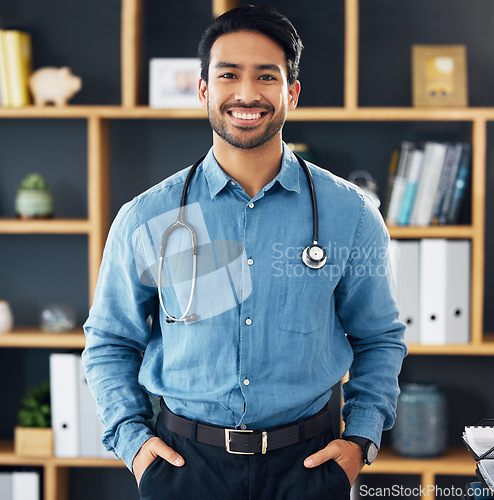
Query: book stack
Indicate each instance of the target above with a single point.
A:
(432, 278)
(15, 68)
(77, 429)
(19, 485)
(479, 440)
(427, 183)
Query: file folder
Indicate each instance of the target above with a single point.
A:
(25, 485)
(458, 292)
(433, 285)
(89, 439)
(405, 266)
(64, 393)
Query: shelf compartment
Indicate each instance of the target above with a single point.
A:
(35, 338)
(45, 226)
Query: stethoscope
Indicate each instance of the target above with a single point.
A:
(314, 256)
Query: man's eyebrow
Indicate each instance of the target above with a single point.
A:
(259, 67)
(268, 67)
(225, 64)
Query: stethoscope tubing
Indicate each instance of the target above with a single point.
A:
(182, 223)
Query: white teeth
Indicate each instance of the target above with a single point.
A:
(246, 116)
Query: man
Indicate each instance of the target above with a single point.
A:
(246, 364)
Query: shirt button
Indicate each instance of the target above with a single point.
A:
(246, 381)
(250, 262)
(232, 183)
(243, 427)
(251, 205)
(248, 321)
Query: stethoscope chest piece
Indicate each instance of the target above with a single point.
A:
(314, 256)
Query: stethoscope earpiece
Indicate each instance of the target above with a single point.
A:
(314, 256)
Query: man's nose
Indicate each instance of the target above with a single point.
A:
(247, 91)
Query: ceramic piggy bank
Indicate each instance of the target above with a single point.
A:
(53, 85)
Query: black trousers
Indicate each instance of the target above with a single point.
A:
(210, 473)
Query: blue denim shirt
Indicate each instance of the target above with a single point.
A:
(272, 336)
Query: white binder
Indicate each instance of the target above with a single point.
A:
(408, 288)
(64, 374)
(89, 428)
(25, 485)
(6, 485)
(433, 285)
(458, 292)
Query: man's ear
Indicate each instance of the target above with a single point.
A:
(203, 93)
(293, 95)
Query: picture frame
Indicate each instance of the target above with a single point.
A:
(439, 75)
(174, 82)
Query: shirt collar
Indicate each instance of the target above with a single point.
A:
(288, 176)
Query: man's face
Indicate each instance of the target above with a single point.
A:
(247, 95)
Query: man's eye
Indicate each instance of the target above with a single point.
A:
(227, 75)
(267, 78)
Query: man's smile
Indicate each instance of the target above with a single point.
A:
(244, 116)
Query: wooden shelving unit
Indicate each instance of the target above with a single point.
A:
(34, 338)
(455, 462)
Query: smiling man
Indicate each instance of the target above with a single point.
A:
(244, 365)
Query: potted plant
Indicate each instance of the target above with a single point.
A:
(33, 434)
(34, 199)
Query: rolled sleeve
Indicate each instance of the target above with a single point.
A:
(116, 336)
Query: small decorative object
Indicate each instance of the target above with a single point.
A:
(439, 75)
(174, 83)
(33, 435)
(54, 85)
(34, 199)
(366, 183)
(58, 318)
(6, 317)
(420, 430)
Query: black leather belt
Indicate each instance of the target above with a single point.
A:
(247, 442)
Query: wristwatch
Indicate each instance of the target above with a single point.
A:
(369, 449)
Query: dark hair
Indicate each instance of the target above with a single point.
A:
(257, 18)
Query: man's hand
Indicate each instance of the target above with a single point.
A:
(151, 449)
(347, 454)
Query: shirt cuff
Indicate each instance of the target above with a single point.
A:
(130, 438)
(365, 423)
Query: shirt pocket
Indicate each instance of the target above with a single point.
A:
(306, 297)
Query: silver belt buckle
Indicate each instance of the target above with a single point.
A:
(228, 442)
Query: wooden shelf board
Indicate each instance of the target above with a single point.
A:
(8, 457)
(52, 111)
(145, 112)
(454, 462)
(389, 114)
(45, 226)
(299, 114)
(35, 338)
(485, 348)
(412, 232)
